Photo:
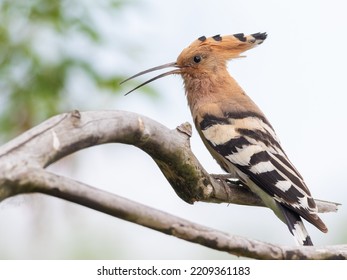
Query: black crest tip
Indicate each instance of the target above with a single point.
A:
(260, 36)
(240, 36)
(202, 38)
(217, 38)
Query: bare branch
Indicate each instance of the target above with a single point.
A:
(22, 163)
(45, 182)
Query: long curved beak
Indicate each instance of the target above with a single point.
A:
(172, 64)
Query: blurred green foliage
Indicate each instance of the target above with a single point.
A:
(39, 57)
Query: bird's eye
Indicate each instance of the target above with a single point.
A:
(197, 58)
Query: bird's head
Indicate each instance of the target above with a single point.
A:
(205, 55)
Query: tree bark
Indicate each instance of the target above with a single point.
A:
(23, 161)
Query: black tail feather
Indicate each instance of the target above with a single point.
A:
(296, 226)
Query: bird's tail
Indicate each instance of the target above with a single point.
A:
(296, 227)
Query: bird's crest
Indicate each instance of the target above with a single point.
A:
(224, 47)
(228, 46)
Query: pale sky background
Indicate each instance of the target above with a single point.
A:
(297, 77)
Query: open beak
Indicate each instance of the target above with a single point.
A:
(172, 64)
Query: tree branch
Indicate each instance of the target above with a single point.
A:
(48, 183)
(22, 163)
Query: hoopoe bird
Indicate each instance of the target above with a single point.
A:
(237, 133)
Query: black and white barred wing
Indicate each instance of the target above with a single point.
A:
(250, 146)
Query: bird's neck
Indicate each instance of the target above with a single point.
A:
(203, 88)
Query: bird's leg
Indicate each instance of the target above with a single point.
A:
(226, 180)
